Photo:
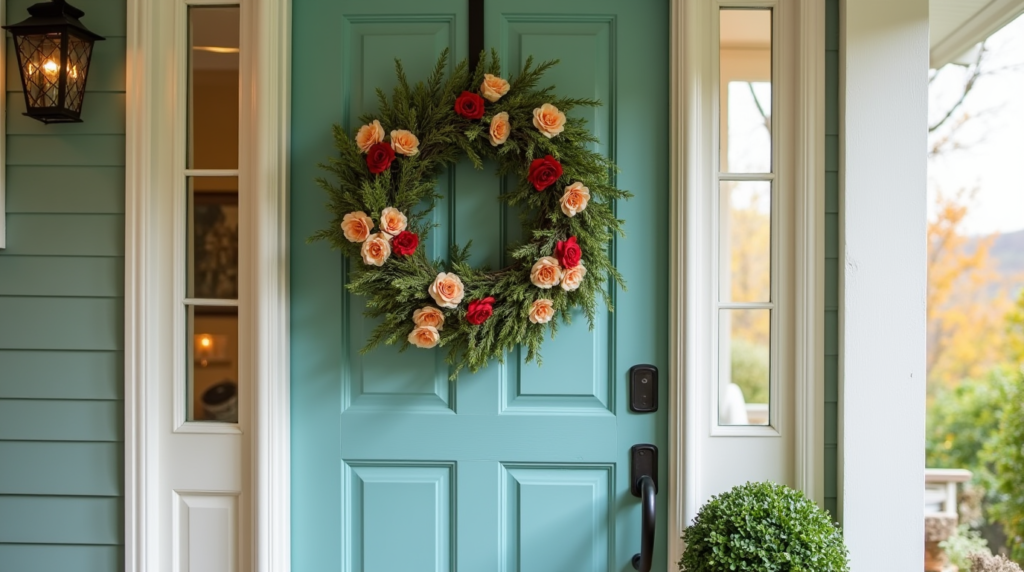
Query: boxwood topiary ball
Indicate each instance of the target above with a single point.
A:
(763, 527)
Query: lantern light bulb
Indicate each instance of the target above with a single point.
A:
(50, 67)
(205, 341)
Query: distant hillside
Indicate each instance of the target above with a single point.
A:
(1008, 252)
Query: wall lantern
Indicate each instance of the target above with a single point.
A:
(54, 50)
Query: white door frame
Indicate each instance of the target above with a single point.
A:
(265, 164)
(690, 121)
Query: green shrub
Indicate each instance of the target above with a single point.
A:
(1006, 455)
(763, 527)
(750, 365)
(963, 544)
(961, 422)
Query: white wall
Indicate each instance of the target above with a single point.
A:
(884, 62)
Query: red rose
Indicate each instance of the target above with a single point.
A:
(405, 243)
(379, 157)
(568, 252)
(469, 105)
(544, 172)
(479, 311)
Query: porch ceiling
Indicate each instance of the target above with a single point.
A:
(957, 25)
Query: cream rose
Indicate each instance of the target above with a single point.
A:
(546, 272)
(404, 142)
(493, 87)
(376, 249)
(548, 120)
(575, 199)
(392, 221)
(500, 128)
(542, 311)
(424, 337)
(429, 316)
(447, 290)
(356, 226)
(369, 135)
(573, 277)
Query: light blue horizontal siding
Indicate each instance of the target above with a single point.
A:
(62, 276)
(61, 420)
(80, 190)
(61, 520)
(61, 323)
(60, 469)
(51, 374)
(65, 234)
(62, 320)
(60, 558)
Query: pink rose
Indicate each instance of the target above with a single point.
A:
(546, 273)
(376, 249)
(404, 142)
(424, 337)
(542, 311)
(356, 226)
(548, 120)
(575, 199)
(392, 221)
(573, 277)
(500, 129)
(369, 135)
(447, 290)
(493, 87)
(429, 316)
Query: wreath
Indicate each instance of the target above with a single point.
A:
(386, 176)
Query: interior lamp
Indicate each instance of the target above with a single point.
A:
(53, 49)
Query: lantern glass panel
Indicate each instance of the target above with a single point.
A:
(79, 54)
(41, 65)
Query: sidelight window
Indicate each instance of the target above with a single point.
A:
(747, 228)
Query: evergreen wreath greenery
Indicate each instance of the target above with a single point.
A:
(391, 187)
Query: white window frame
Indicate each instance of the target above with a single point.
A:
(694, 169)
(266, 26)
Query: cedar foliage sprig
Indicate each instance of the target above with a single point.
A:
(399, 287)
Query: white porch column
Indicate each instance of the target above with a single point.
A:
(884, 92)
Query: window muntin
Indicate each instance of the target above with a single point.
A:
(746, 301)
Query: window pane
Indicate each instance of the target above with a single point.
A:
(213, 87)
(745, 88)
(213, 357)
(213, 237)
(745, 243)
(744, 366)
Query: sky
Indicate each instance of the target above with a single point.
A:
(991, 142)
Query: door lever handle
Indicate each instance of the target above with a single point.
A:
(648, 520)
(643, 475)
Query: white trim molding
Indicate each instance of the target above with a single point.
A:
(151, 80)
(884, 119)
(974, 30)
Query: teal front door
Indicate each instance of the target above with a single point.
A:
(519, 467)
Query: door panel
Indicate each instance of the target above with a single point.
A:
(518, 467)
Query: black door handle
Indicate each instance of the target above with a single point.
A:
(648, 519)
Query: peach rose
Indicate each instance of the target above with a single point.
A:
(376, 249)
(573, 277)
(549, 120)
(575, 199)
(546, 272)
(447, 290)
(500, 128)
(392, 221)
(542, 311)
(424, 337)
(404, 142)
(429, 316)
(369, 135)
(356, 226)
(493, 87)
